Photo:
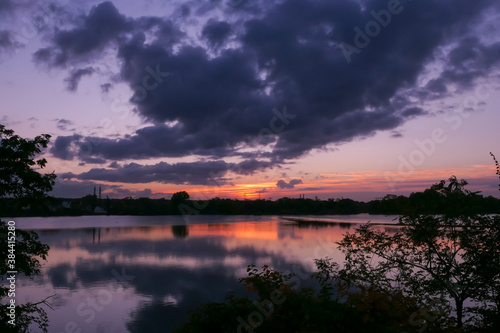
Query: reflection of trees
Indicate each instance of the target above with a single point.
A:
(311, 224)
(98, 235)
(180, 231)
(345, 225)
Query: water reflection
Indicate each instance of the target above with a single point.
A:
(147, 278)
(321, 225)
(180, 231)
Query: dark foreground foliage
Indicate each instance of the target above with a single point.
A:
(436, 273)
(280, 307)
(21, 251)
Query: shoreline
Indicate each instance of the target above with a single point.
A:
(315, 221)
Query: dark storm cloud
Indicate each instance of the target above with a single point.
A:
(65, 125)
(102, 25)
(289, 54)
(6, 6)
(185, 10)
(195, 173)
(219, 99)
(7, 41)
(9, 7)
(75, 76)
(469, 60)
(216, 32)
(250, 166)
(166, 32)
(62, 147)
(291, 184)
(180, 173)
(152, 141)
(335, 94)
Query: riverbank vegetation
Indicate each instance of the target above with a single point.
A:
(434, 200)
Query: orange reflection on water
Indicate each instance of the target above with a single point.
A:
(246, 230)
(252, 230)
(285, 239)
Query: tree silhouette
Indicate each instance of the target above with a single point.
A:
(178, 199)
(18, 180)
(434, 258)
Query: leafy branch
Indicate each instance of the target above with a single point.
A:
(497, 166)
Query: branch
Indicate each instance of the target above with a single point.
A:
(44, 301)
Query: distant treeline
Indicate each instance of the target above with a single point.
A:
(427, 202)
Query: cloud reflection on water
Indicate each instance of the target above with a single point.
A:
(174, 268)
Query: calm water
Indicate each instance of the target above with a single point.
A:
(143, 274)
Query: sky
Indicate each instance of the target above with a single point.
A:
(255, 99)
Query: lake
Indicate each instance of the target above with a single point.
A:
(144, 273)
